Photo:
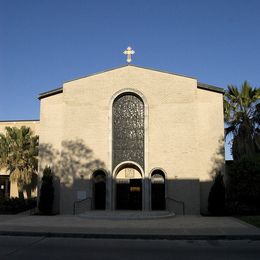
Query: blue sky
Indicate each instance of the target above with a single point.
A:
(46, 42)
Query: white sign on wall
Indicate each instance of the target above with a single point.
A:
(81, 195)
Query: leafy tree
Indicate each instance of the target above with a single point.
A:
(242, 117)
(18, 154)
(46, 192)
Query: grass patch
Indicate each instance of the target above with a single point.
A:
(253, 220)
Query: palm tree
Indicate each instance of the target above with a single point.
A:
(18, 154)
(242, 118)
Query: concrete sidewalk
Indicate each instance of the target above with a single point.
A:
(178, 227)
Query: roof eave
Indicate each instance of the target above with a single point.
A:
(50, 93)
(210, 88)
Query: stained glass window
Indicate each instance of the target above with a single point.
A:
(128, 129)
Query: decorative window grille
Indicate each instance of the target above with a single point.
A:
(128, 129)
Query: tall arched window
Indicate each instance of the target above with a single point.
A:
(128, 129)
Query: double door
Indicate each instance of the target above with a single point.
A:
(129, 194)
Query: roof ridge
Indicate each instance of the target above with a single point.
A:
(199, 85)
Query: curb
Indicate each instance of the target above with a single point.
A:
(130, 236)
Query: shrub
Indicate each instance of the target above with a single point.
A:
(216, 200)
(16, 205)
(243, 186)
(46, 192)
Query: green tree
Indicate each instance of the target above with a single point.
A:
(18, 154)
(242, 118)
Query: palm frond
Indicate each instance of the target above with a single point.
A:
(242, 116)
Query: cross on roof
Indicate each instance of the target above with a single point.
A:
(129, 52)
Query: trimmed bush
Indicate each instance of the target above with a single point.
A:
(46, 192)
(216, 200)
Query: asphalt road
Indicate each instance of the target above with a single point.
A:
(27, 248)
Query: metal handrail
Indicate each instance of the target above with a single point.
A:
(77, 202)
(178, 201)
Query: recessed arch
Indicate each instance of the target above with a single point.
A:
(99, 177)
(158, 169)
(116, 95)
(128, 90)
(158, 189)
(128, 164)
(128, 129)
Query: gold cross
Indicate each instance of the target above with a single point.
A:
(129, 52)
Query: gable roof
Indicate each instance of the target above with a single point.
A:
(200, 85)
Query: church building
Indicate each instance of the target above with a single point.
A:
(132, 138)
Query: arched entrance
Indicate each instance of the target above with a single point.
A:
(128, 187)
(99, 190)
(158, 190)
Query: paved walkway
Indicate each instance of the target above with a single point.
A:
(170, 227)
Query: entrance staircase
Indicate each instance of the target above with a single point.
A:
(126, 214)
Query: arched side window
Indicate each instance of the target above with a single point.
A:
(128, 129)
(99, 190)
(158, 190)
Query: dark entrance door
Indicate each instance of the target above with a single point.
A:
(4, 187)
(99, 192)
(129, 194)
(158, 196)
(158, 190)
(122, 194)
(135, 194)
(100, 195)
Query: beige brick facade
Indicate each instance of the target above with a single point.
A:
(184, 131)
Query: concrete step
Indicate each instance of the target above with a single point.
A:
(126, 214)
